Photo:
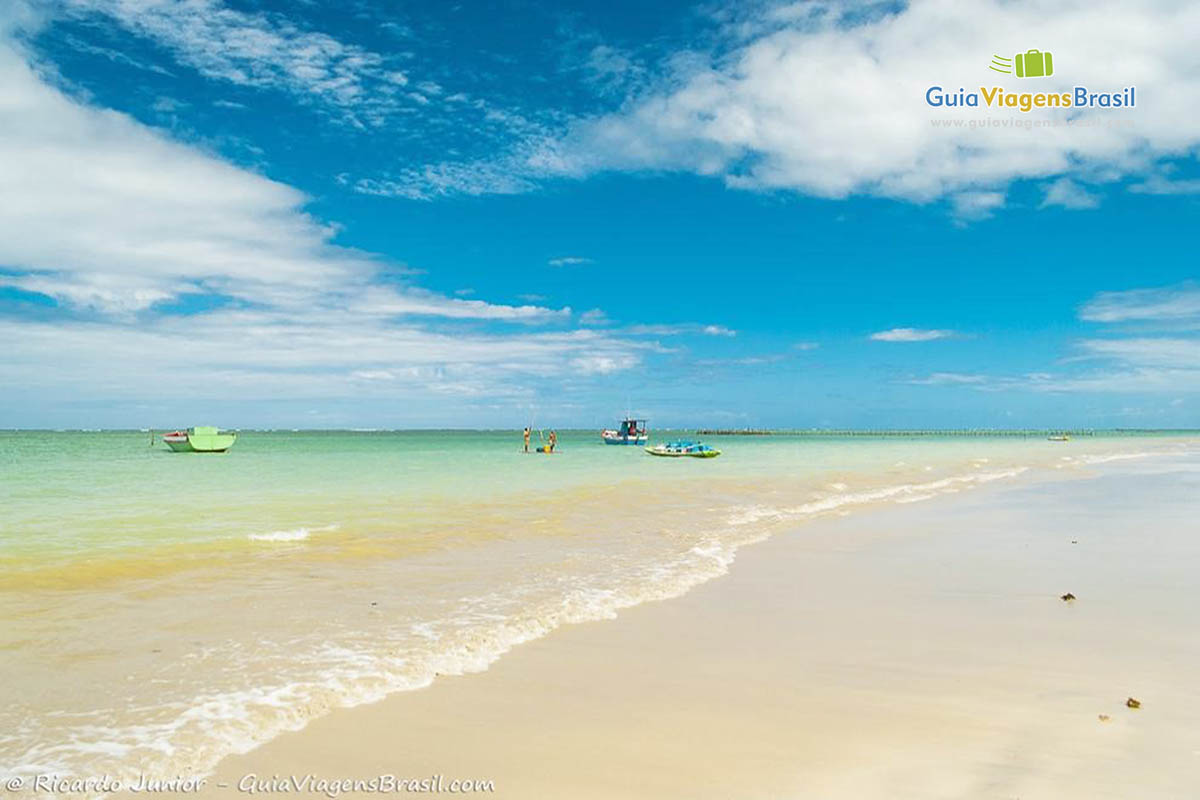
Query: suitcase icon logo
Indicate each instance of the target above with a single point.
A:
(1030, 64)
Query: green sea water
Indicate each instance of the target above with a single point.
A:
(159, 610)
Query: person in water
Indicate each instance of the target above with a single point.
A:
(527, 440)
(553, 440)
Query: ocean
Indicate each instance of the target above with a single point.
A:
(161, 610)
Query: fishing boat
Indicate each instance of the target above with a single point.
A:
(682, 449)
(200, 440)
(632, 431)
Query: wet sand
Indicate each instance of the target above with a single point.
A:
(917, 651)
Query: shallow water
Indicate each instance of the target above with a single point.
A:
(161, 610)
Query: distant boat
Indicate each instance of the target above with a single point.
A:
(683, 449)
(632, 431)
(1059, 437)
(200, 440)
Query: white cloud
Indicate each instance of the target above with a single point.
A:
(260, 50)
(1069, 194)
(441, 180)
(569, 261)
(1143, 364)
(820, 98)
(612, 71)
(1165, 304)
(950, 379)
(1148, 351)
(1157, 184)
(385, 301)
(976, 205)
(111, 218)
(680, 329)
(911, 335)
(104, 212)
(101, 212)
(259, 354)
(805, 346)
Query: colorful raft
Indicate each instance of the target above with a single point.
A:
(682, 449)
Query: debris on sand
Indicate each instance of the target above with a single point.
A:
(1133, 703)
(1105, 717)
(1068, 597)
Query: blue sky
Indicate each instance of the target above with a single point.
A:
(373, 215)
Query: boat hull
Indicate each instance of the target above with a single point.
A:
(662, 453)
(631, 431)
(212, 444)
(200, 441)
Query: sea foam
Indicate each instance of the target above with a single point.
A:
(293, 535)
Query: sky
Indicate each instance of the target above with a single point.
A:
(364, 214)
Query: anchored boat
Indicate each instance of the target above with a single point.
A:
(200, 440)
(632, 431)
(682, 449)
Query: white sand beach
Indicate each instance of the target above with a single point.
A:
(916, 651)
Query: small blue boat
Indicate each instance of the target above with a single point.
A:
(632, 431)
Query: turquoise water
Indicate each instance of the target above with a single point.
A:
(160, 610)
(80, 493)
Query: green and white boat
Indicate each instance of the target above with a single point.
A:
(200, 440)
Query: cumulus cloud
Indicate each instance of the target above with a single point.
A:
(911, 335)
(103, 213)
(1158, 184)
(976, 205)
(1069, 194)
(112, 220)
(829, 99)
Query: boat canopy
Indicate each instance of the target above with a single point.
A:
(632, 427)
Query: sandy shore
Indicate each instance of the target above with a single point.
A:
(919, 651)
